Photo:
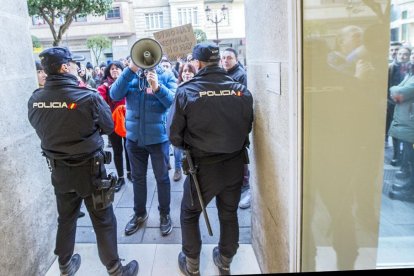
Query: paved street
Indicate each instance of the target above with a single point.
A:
(157, 255)
(150, 233)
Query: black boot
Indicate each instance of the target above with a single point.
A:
(131, 269)
(70, 268)
(406, 166)
(119, 183)
(403, 192)
(403, 173)
(223, 263)
(188, 266)
(403, 186)
(396, 159)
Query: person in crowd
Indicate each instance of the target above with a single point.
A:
(85, 77)
(97, 76)
(149, 95)
(402, 128)
(41, 75)
(166, 64)
(193, 61)
(178, 63)
(230, 63)
(125, 61)
(112, 72)
(100, 74)
(201, 123)
(397, 71)
(76, 151)
(186, 73)
(89, 67)
(394, 47)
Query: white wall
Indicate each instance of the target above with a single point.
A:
(27, 205)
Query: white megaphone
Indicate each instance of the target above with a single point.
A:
(146, 53)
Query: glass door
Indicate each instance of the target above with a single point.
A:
(345, 72)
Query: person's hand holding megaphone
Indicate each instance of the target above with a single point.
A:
(152, 78)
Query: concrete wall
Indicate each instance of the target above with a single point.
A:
(27, 206)
(272, 79)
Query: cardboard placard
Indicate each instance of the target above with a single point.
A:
(176, 42)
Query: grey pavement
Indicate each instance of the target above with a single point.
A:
(149, 233)
(396, 231)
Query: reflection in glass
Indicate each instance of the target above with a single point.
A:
(345, 50)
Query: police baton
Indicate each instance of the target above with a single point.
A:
(193, 173)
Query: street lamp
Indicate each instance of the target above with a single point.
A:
(219, 15)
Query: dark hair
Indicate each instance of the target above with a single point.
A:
(182, 67)
(231, 50)
(107, 72)
(89, 65)
(38, 65)
(52, 68)
(103, 64)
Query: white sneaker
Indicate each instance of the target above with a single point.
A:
(245, 201)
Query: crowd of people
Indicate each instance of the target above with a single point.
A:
(147, 114)
(400, 118)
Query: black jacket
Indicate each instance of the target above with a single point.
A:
(211, 113)
(238, 74)
(69, 119)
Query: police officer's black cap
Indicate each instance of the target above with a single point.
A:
(207, 52)
(56, 55)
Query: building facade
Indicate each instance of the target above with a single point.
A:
(129, 20)
(402, 21)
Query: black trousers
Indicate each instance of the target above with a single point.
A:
(222, 180)
(69, 199)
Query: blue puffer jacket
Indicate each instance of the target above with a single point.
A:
(146, 113)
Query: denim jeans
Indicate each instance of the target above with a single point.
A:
(138, 158)
(178, 155)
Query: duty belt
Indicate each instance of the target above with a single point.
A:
(51, 162)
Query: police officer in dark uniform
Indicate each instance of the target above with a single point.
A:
(211, 116)
(69, 121)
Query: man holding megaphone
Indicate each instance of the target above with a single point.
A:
(149, 92)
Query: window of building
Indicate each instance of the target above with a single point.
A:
(404, 15)
(38, 20)
(404, 32)
(187, 16)
(114, 13)
(154, 20)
